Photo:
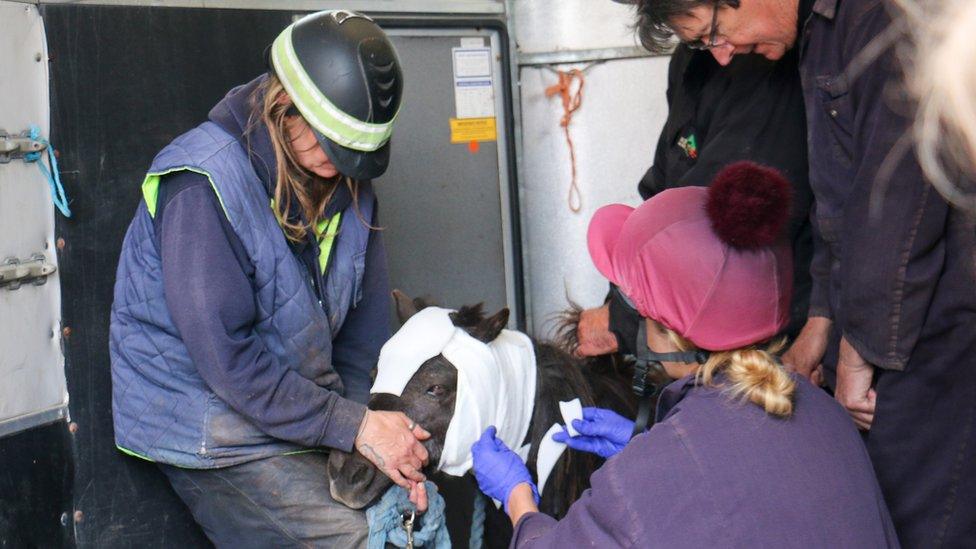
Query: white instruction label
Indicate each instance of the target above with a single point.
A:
(474, 95)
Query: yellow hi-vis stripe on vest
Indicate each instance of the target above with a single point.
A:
(326, 231)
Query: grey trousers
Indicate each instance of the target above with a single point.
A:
(282, 501)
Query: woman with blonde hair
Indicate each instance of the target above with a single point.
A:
(252, 297)
(743, 453)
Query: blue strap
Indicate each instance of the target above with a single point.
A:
(385, 526)
(53, 175)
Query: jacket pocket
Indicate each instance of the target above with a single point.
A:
(835, 100)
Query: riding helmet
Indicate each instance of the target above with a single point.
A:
(343, 75)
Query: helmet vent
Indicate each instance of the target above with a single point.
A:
(386, 86)
(382, 68)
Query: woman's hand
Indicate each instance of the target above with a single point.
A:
(601, 432)
(807, 351)
(391, 441)
(854, 391)
(498, 469)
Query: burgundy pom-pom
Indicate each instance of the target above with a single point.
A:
(748, 205)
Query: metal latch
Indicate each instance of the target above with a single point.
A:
(14, 272)
(16, 146)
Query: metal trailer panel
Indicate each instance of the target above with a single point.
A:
(35, 466)
(614, 132)
(546, 26)
(426, 7)
(33, 391)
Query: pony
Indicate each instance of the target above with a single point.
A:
(429, 399)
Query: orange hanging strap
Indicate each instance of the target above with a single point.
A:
(571, 102)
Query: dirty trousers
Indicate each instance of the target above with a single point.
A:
(282, 501)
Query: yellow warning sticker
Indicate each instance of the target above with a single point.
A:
(466, 130)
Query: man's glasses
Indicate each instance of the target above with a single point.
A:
(699, 44)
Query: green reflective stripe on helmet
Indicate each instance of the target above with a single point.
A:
(316, 108)
(327, 230)
(150, 188)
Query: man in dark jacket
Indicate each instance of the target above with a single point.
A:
(892, 310)
(751, 109)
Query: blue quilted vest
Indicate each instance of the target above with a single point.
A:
(162, 408)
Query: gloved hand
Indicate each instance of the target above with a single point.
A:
(601, 432)
(498, 469)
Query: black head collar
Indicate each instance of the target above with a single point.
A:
(648, 361)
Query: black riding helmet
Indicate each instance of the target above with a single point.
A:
(343, 75)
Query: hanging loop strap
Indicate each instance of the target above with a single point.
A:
(52, 175)
(571, 103)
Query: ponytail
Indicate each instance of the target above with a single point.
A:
(755, 375)
(752, 373)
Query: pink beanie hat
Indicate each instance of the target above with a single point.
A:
(708, 263)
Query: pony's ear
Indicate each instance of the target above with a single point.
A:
(488, 329)
(405, 306)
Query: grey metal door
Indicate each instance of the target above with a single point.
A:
(446, 202)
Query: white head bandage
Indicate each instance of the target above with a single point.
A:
(496, 381)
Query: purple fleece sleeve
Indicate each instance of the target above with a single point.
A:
(653, 476)
(210, 298)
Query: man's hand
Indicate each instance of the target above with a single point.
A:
(854, 392)
(593, 333)
(418, 496)
(391, 441)
(807, 351)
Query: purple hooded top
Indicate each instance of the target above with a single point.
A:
(719, 472)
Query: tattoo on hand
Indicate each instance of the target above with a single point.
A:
(375, 457)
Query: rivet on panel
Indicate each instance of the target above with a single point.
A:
(72, 427)
(79, 516)
(60, 244)
(66, 332)
(38, 57)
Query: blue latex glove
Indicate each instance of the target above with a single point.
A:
(601, 432)
(499, 469)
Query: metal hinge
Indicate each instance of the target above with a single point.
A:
(14, 272)
(16, 146)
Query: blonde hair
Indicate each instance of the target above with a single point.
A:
(292, 181)
(753, 373)
(944, 84)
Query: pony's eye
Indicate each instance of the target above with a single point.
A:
(436, 390)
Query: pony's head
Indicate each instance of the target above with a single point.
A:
(428, 399)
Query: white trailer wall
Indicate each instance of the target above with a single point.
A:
(614, 133)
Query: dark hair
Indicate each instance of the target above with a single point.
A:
(654, 17)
